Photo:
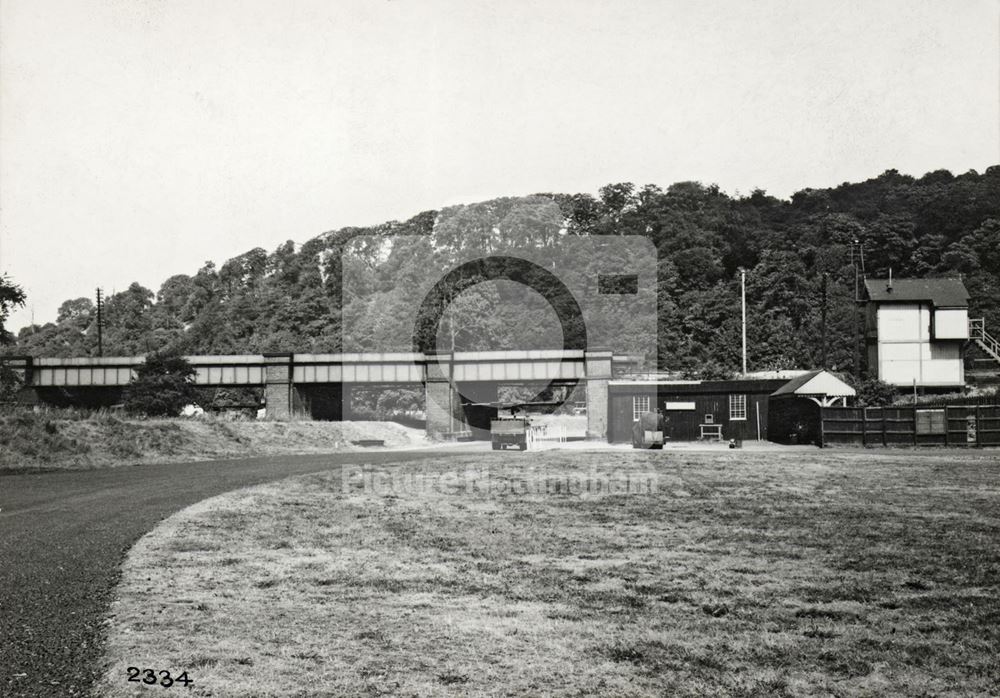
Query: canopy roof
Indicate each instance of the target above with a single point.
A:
(819, 383)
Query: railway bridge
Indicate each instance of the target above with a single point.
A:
(315, 386)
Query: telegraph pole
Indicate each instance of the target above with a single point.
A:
(856, 354)
(854, 264)
(826, 279)
(100, 324)
(743, 303)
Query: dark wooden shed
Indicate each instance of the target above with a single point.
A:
(723, 409)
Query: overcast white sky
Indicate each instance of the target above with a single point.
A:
(139, 138)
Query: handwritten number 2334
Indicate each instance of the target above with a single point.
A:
(148, 676)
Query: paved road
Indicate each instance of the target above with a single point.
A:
(63, 536)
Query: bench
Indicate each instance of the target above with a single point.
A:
(711, 431)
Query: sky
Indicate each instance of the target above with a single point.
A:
(140, 138)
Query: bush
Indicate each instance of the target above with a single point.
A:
(162, 387)
(874, 393)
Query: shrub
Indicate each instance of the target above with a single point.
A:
(161, 387)
(874, 393)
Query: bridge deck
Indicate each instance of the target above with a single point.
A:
(356, 367)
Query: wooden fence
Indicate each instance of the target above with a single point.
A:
(920, 425)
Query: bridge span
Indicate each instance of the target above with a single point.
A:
(304, 386)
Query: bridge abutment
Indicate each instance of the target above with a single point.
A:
(278, 391)
(443, 404)
(598, 371)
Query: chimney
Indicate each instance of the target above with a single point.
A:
(888, 287)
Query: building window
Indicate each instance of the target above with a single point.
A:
(930, 422)
(640, 404)
(737, 407)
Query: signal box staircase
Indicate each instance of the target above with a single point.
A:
(982, 357)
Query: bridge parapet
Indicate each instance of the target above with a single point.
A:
(74, 372)
(369, 367)
(533, 365)
(373, 367)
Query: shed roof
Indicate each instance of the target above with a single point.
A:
(942, 293)
(783, 374)
(696, 387)
(817, 382)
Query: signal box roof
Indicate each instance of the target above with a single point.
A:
(941, 293)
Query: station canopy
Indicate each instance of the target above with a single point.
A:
(823, 387)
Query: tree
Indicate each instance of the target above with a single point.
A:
(162, 386)
(71, 310)
(128, 321)
(174, 295)
(11, 296)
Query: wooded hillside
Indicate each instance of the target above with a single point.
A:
(290, 299)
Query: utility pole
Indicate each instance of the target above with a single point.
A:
(743, 303)
(823, 359)
(100, 324)
(856, 355)
(854, 264)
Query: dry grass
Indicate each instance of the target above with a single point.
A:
(852, 573)
(67, 440)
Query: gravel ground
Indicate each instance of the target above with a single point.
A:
(63, 536)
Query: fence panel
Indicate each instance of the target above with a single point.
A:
(899, 427)
(842, 426)
(874, 422)
(988, 425)
(961, 422)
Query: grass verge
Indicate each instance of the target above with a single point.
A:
(827, 573)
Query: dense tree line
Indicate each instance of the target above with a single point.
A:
(296, 298)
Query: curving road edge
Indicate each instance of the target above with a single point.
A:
(64, 535)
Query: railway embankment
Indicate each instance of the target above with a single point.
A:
(74, 440)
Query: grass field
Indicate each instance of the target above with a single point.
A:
(821, 573)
